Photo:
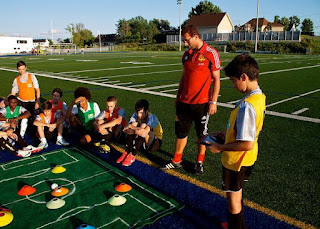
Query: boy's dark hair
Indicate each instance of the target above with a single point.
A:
(58, 90)
(21, 63)
(191, 29)
(243, 63)
(46, 105)
(11, 97)
(112, 98)
(82, 91)
(1, 99)
(142, 104)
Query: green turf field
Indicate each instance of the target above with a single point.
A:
(91, 182)
(286, 175)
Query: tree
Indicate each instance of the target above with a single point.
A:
(80, 35)
(204, 7)
(294, 20)
(161, 24)
(307, 26)
(123, 28)
(285, 22)
(276, 19)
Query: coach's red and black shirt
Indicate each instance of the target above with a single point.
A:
(196, 78)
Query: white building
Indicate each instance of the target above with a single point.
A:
(42, 43)
(10, 45)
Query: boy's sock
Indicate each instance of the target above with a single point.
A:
(138, 143)
(59, 138)
(177, 157)
(23, 127)
(129, 144)
(236, 221)
(200, 158)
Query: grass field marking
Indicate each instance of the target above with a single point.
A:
(274, 214)
(123, 83)
(292, 98)
(235, 101)
(113, 221)
(128, 178)
(289, 69)
(120, 68)
(134, 74)
(300, 111)
(137, 85)
(127, 194)
(175, 89)
(114, 81)
(277, 114)
(75, 159)
(22, 165)
(161, 86)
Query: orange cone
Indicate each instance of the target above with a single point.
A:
(123, 187)
(26, 190)
(60, 191)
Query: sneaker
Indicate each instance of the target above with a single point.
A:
(172, 165)
(96, 144)
(123, 156)
(43, 145)
(23, 153)
(62, 142)
(198, 168)
(32, 149)
(104, 148)
(129, 160)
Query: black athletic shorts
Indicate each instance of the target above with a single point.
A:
(186, 114)
(232, 181)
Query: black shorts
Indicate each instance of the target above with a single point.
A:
(154, 144)
(232, 181)
(186, 114)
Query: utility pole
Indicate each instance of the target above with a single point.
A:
(99, 40)
(257, 32)
(179, 3)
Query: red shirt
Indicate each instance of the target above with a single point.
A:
(197, 74)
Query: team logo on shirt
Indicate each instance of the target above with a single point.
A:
(186, 58)
(29, 85)
(90, 116)
(202, 58)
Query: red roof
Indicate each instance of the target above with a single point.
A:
(276, 24)
(261, 22)
(206, 19)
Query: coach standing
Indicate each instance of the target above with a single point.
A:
(196, 99)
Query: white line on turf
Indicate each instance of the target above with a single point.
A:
(123, 83)
(114, 220)
(137, 85)
(300, 111)
(289, 69)
(127, 194)
(175, 89)
(294, 97)
(119, 68)
(161, 86)
(296, 117)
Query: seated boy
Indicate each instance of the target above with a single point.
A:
(59, 108)
(15, 114)
(110, 122)
(3, 124)
(82, 114)
(48, 128)
(240, 150)
(144, 129)
(7, 138)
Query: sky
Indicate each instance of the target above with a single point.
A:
(33, 18)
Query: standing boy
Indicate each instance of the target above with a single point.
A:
(241, 138)
(144, 129)
(197, 95)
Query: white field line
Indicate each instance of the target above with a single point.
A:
(137, 85)
(115, 220)
(175, 89)
(161, 86)
(123, 83)
(131, 67)
(97, 79)
(33, 162)
(296, 117)
(127, 194)
(300, 111)
(115, 81)
(235, 101)
(290, 69)
(294, 97)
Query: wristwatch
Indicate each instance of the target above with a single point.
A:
(213, 102)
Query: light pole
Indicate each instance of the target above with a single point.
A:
(256, 44)
(99, 40)
(179, 3)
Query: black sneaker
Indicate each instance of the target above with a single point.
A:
(198, 168)
(172, 165)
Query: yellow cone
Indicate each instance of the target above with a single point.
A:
(6, 218)
(58, 169)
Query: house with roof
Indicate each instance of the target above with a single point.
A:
(212, 23)
(263, 26)
(42, 43)
(277, 27)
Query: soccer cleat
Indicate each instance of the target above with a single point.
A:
(23, 153)
(104, 148)
(129, 160)
(43, 145)
(32, 149)
(198, 168)
(123, 156)
(97, 144)
(172, 165)
(62, 142)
